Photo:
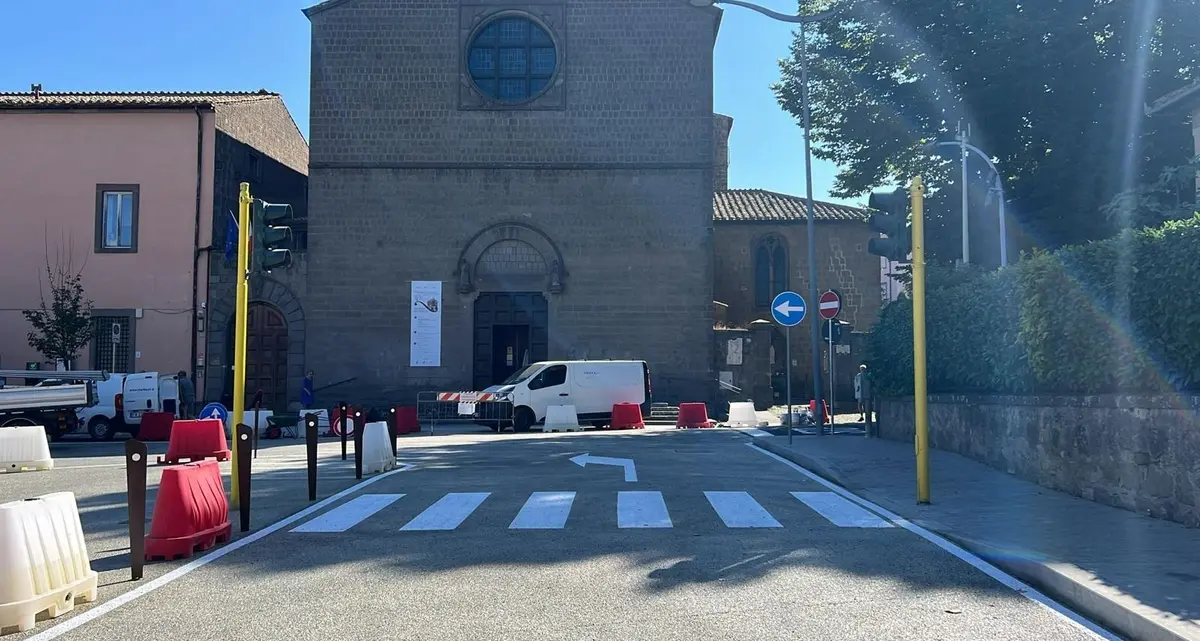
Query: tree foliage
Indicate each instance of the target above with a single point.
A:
(1053, 90)
(1103, 317)
(63, 326)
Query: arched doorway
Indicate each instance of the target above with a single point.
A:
(266, 356)
(511, 315)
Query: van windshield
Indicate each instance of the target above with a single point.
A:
(520, 376)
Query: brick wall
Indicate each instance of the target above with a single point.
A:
(614, 170)
(274, 182)
(266, 125)
(843, 264)
(722, 126)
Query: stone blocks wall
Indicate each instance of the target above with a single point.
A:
(1133, 452)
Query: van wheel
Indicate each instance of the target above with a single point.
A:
(101, 430)
(523, 419)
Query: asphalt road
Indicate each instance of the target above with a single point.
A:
(505, 537)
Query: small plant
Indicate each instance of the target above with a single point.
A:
(63, 326)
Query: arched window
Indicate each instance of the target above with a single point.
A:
(770, 269)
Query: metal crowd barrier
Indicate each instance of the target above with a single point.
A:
(494, 411)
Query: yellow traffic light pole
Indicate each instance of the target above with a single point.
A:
(243, 307)
(920, 391)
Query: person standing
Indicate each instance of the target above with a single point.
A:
(187, 396)
(306, 391)
(862, 388)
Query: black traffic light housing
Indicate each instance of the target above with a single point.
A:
(892, 221)
(272, 236)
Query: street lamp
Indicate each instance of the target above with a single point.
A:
(930, 147)
(808, 186)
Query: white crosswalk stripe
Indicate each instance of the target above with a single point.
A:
(350, 513)
(448, 513)
(642, 510)
(840, 511)
(635, 510)
(544, 511)
(739, 509)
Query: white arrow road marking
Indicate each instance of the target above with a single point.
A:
(630, 471)
(787, 309)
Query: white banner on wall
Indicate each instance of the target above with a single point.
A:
(425, 349)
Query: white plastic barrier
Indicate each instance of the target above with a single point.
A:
(23, 448)
(44, 563)
(561, 418)
(743, 415)
(377, 449)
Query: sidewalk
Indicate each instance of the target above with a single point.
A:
(1136, 575)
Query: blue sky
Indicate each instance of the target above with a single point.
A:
(139, 45)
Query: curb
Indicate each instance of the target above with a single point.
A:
(1065, 583)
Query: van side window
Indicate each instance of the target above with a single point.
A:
(551, 376)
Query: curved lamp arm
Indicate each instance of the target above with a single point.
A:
(782, 17)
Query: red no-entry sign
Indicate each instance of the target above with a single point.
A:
(830, 304)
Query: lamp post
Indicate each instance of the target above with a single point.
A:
(966, 146)
(813, 294)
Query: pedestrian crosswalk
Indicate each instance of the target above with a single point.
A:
(553, 511)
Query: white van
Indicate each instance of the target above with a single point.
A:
(593, 387)
(123, 398)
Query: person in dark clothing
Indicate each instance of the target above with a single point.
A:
(187, 396)
(306, 391)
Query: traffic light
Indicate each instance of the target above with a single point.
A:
(272, 236)
(892, 221)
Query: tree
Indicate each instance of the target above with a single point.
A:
(1171, 197)
(64, 326)
(1053, 90)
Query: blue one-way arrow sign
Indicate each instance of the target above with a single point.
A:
(788, 309)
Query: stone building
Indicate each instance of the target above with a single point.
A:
(549, 162)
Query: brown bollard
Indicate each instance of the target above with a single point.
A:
(358, 443)
(135, 491)
(243, 471)
(343, 411)
(310, 438)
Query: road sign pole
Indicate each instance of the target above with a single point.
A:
(789, 384)
(832, 413)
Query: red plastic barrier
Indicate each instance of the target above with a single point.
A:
(190, 511)
(196, 440)
(406, 420)
(693, 415)
(627, 416)
(156, 426)
(812, 411)
(335, 420)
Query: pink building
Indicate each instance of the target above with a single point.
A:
(133, 190)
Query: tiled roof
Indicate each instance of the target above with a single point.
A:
(760, 205)
(128, 100)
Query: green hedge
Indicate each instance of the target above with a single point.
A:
(1052, 323)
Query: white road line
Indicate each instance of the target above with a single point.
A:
(839, 511)
(448, 513)
(740, 510)
(544, 511)
(108, 606)
(642, 510)
(350, 513)
(1009, 581)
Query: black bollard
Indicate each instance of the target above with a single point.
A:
(243, 471)
(342, 410)
(393, 429)
(358, 443)
(135, 492)
(310, 437)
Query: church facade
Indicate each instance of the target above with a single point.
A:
(542, 170)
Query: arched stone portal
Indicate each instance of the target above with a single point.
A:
(512, 269)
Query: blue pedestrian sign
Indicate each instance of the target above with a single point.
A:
(788, 309)
(215, 410)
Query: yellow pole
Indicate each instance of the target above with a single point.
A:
(920, 393)
(243, 307)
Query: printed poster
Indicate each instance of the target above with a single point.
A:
(425, 349)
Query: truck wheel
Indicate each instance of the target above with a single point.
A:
(523, 419)
(101, 429)
(18, 420)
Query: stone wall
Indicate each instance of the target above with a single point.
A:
(742, 358)
(722, 126)
(1134, 452)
